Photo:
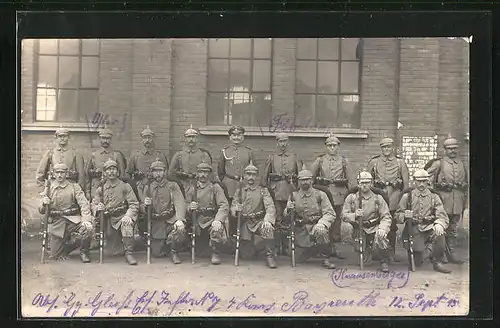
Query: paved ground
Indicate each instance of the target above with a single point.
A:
(73, 288)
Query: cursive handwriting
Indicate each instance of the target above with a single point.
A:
(101, 120)
(420, 302)
(284, 123)
(342, 278)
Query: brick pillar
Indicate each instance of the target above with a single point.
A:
(283, 89)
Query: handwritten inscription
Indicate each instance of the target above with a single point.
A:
(286, 123)
(343, 278)
(151, 302)
(101, 120)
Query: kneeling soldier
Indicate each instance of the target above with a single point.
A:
(258, 216)
(428, 222)
(373, 212)
(117, 199)
(168, 215)
(211, 209)
(314, 216)
(70, 220)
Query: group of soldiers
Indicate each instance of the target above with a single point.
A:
(286, 207)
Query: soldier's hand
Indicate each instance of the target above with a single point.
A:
(193, 206)
(100, 207)
(127, 220)
(438, 229)
(179, 225)
(45, 200)
(290, 205)
(319, 228)
(238, 207)
(359, 213)
(408, 214)
(87, 224)
(216, 225)
(381, 234)
(148, 201)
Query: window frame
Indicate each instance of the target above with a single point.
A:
(36, 64)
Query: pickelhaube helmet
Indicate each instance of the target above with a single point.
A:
(204, 166)
(332, 140)
(421, 175)
(386, 142)
(62, 131)
(251, 168)
(364, 176)
(110, 163)
(304, 174)
(147, 132)
(190, 132)
(105, 133)
(157, 165)
(282, 136)
(236, 129)
(60, 167)
(450, 142)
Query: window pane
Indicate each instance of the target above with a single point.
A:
(350, 77)
(240, 75)
(304, 111)
(217, 108)
(45, 104)
(47, 71)
(218, 48)
(47, 46)
(90, 72)
(89, 104)
(69, 46)
(261, 110)
(218, 75)
(240, 48)
(67, 105)
(240, 108)
(68, 72)
(307, 48)
(262, 75)
(328, 49)
(326, 111)
(262, 48)
(349, 49)
(349, 113)
(90, 47)
(328, 77)
(306, 77)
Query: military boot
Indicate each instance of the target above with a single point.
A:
(85, 257)
(215, 260)
(271, 263)
(439, 267)
(384, 267)
(392, 235)
(336, 251)
(128, 246)
(84, 250)
(450, 251)
(175, 255)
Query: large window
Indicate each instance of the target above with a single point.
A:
(239, 82)
(327, 83)
(67, 79)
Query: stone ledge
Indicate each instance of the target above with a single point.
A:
(51, 127)
(221, 130)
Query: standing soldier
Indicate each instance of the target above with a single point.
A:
(62, 154)
(211, 209)
(168, 214)
(333, 170)
(94, 166)
(314, 217)
(372, 210)
(119, 203)
(449, 176)
(184, 163)
(258, 216)
(70, 220)
(390, 174)
(280, 176)
(428, 222)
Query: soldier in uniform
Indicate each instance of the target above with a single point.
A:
(184, 163)
(280, 176)
(449, 176)
(390, 174)
(120, 205)
(334, 171)
(168, 214)
(70, 220)
(313, 219)
(429, 222)
(93, 167)
(375, 216)
(62, 154)
(211, 209)
(258, 216)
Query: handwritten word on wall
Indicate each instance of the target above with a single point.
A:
(417, 151)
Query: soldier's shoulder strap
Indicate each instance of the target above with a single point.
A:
(248, 147)
(429, 163)
(374, 157)
(226, 146)
(206, 152)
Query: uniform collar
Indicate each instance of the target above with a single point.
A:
(61, 185)
(110, 184)
(389, 158)
(450, 160)
(190, 150)
(303, 193)
(424, 193)
(162, 183)
(59, 148)
(283, 153)
(248, 187)
(368, 195)
(146, 151)
(105, 150)
(335, 157)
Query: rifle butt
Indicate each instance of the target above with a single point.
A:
(193, 248)
(412, 262)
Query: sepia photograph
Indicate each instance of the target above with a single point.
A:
(244, 177)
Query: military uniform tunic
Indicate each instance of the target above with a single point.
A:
(334, 167)
(374, 209)
(280, 167)
(141, 161)
(73, 160)
(94, 168)
(232, 161)
(185, 161)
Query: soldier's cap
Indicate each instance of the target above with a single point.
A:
(304, 174)
(421, 175)
(60, 167)
(62, 131)
(332, 140)
(282, 136)
(110, 163)
(157, 165)
(203, 166)
(147, 132)
(450, 142)
(236, 129)
(251, 168)
(105, 133)
(364, 176)
(386, 142)
(190, 132)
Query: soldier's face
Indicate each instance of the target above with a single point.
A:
(191, 140)
(365, 186)
(62, 139)
(158, 174)
(147, 141)
(250, 177)
(60, 175)
(282, 144)
(332, 148)
(111, 173)
(387, 150)
(236, 138)
(422, 184)
(105, 141)
(305, 184)
(451, 152)
(203, 176)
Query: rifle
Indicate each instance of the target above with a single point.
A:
(292, 233)
(411, 256)
(45, 220)
(194, 224)
(361, 235)
(101, 223)
(148, 232)
(237, 254)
